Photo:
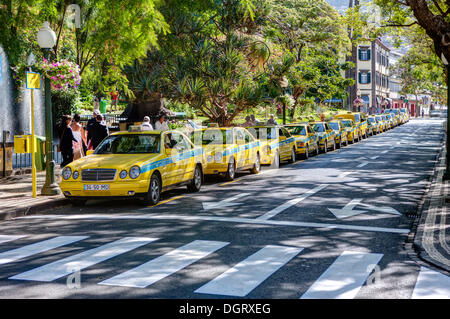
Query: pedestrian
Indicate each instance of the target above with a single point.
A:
(423, 111)
(114, 100)
(146, 126)
(89, 125)
(272, 120)
(99, 131)
(248, 122)
(254, 120)
(161, 124)
(80, 136)
(66, 139)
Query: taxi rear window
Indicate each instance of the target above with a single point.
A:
(334, 126)
(130, 144)
(371, 120)
(297, 130)
(347, 123)
(212, 136)
(319, 127)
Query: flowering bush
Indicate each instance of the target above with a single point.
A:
(63, 75)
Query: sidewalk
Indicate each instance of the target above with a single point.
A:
(16, 195)
(432, 237)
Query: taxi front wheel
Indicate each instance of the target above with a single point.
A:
(292, 159)
(257, 167)
(231, 171)
(154, 191)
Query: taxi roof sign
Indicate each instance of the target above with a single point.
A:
(33, 80)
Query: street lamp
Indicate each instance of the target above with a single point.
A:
(447, 168)
(284, 82)
(46, 39)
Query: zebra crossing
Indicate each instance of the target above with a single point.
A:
(343, 279)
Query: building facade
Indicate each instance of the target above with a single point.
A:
(373, 76)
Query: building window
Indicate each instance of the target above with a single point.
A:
(364, 54)
(364, 77)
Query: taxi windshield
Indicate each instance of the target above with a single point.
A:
(334, 126)
(379, 119)
(263, 133)
(371, 120)
(129, 144)
(347, 123)
(357, 118)
(212, 136)
(297, 130)
(319, 128)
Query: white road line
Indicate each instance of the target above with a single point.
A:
(345, 277)
(290, 203)
(362, 164)
(6, 238)
(83, 260)
(342, 175)
(384, 152)
(163, 266)
(34, 249)
(238, 220)
(375, 157)
(431, 285)
(241, 279)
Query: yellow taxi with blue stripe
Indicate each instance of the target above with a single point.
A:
(135, 164)
(325, 134)
(228, 149)
(360, 122)
(387, 120)
(306, 138)
(276, 144)
(375, 125)
(405, 114)
(341, 132)
(381, 120)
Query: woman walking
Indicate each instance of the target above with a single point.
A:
(66, 140)
(80, 136)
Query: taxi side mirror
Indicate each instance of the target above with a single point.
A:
(89, 152)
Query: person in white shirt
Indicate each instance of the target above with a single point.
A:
(146, 126)
(161, 125)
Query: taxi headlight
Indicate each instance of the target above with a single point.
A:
(218, 157)
(267, 149)
(209, 158)
(300, 144)
(66, 173)
(135, 171)
(75, 175)
(123, 174)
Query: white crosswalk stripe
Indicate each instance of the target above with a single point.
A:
(83, 260)
(345, 277)
(163, 266)
(240, 280)
(6, 238)
(34, 249)
(431, 285)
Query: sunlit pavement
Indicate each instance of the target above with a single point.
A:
(333, 226)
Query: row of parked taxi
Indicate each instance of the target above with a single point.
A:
(138, 164)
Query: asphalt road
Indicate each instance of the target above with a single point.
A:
(333, 226)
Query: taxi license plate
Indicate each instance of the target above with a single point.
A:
(96, 187)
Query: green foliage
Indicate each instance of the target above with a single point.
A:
(65, 103)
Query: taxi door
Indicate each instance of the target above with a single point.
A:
(250, 149)
(170, 173)
(240, 147)
(186, 162)
(312, 138)
(284, 149)
(329, 133)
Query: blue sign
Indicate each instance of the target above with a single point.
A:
(1, 70)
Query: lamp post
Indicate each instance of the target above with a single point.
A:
(46, 39)
(284, 82)
(446, 175)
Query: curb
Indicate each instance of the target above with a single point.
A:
(413, 245)
(31, 210)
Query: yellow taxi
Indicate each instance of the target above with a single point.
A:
(405, 114)
(228, 149)
(341, 132)
(352, 130)
(306, 138)
(387, 119)
(376, 126)
(134, 164)
(276, 144)
(380, 119)
(360, 122)
(326, 135)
